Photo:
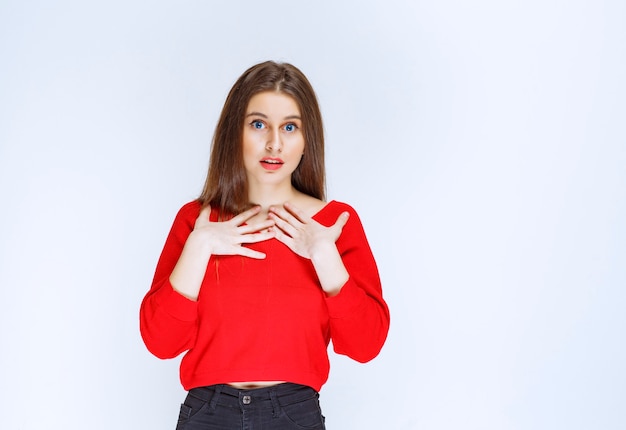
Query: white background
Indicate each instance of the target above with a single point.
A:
(483, 144)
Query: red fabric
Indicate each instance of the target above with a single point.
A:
(265, 320)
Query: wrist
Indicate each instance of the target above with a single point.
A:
(198, 245)
(324, 252)
(330, 269)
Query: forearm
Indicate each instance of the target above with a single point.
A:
(330, 269)
(187, 276)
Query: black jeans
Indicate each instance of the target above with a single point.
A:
(280, 407)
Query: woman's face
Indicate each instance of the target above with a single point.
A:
(273, 142)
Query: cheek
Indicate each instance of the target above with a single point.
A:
(250, 143)
(249, 151)
(298, 144)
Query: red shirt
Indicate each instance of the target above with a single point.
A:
(269, 319)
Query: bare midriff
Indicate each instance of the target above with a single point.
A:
(254, 384)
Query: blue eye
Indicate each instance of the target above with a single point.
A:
(290, 127)
(257, 124)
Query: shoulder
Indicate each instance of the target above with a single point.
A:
(308, 204)
(190, 209)
(335, 207)
(188, 213)
(353, 235)
(331, 210)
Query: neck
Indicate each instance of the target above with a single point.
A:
(266, 195)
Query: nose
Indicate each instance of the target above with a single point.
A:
(274, 142)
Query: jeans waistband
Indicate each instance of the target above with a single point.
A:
(270, 397)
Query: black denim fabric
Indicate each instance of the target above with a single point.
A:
(280, 407)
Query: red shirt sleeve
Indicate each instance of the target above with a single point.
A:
(359, 316)
(168, 320)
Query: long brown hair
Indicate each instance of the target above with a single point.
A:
(226, 186)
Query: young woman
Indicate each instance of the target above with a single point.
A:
(260, 273)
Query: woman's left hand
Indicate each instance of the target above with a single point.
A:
(302, 234)
(310, 239)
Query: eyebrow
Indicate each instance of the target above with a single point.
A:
(262, 115)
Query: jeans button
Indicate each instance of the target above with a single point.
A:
(246, 400)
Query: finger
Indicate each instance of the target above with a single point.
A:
(205, 213)
(247, 252)
(203, 217)
(283, 225)
(257, 237)
(282, 237)
(295, 211)
(245, 215)
(341, 220)
(252, 228)
(285, 215)
(339, 224)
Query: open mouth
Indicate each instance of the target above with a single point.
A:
(272, 163)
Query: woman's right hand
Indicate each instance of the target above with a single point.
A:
(226, 237)
(216, 238)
